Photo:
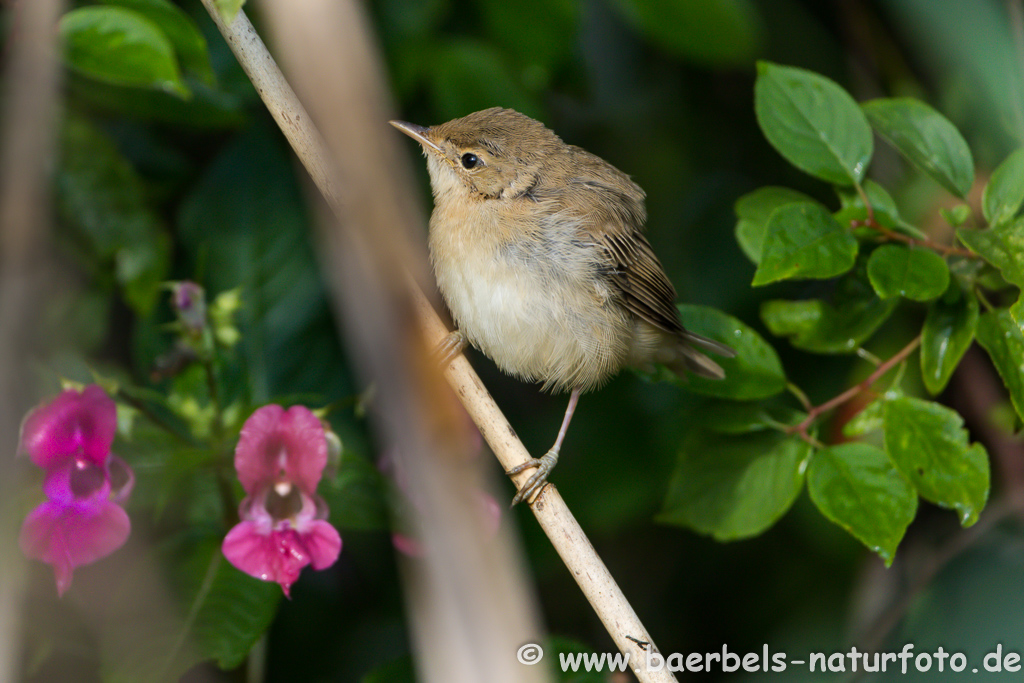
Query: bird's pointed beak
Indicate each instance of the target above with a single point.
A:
(417, 133)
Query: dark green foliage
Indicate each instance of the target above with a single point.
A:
(170, 169)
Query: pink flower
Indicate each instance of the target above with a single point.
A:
(280, 458)
(81, 521)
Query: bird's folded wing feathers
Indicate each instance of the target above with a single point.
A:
(636, 273)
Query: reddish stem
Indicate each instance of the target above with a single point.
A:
(943, 249)
(870, 222)
(853, 391)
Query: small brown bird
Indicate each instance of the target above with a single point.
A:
(539, 253)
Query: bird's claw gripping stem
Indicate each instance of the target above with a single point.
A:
(535, 483)
(449, 349)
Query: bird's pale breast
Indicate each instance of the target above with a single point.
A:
(534, 304)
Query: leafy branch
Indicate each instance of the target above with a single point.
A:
(814, 412)
(893, 235)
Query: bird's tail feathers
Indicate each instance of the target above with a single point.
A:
(689, 359)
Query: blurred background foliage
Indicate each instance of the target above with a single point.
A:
(154, 186)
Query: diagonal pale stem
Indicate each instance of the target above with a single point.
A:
(550, 510)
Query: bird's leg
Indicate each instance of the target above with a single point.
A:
(449, 349)
(546, 462)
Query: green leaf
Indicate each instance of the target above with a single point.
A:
(840, 325)
(870, 418)
(219, 615)
(927, 442)
(233, 612)
(711, 32)
(733, 487)
(957, 215)
(1004, 192)
(813, 123)
(1001, 336)
(189, 44)
(356, 495)
(753, 211)
(120, 46)
(259, 241)
(1002, 246)
(912, 272)
(207, 108)
(926, 138)
(947, 334)
(804, 241)
(743, 417)
(883, 207)
(1017, 311)
(101, 198)
(755, 372)
(228, 9)
(856, 486)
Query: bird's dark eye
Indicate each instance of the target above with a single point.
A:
(470, 160)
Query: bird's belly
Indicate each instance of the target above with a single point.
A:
(532, 325)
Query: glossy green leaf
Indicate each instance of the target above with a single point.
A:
(753, 211)
(856, 486)
(120, 46)
(912, 272)
(743, 417)
(813, 123)
(883, 207)
(957, 215)
(734, 417)
(101, 198)
(1017, 311)
(734, 486)
(233, 612)
(1002, 246)
(755, 372)
(804, 241)
(228, 9)
(189, 44)
(947, 334)
(926, 138)
(840, 324)
(927, 442)
(1003, 339)
(710, 32)
(871, 418)
(1004, 192)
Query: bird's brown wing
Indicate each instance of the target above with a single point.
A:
(615, 225)
(635, 271)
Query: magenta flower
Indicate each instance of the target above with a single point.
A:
(280, 458)
(81, 521)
